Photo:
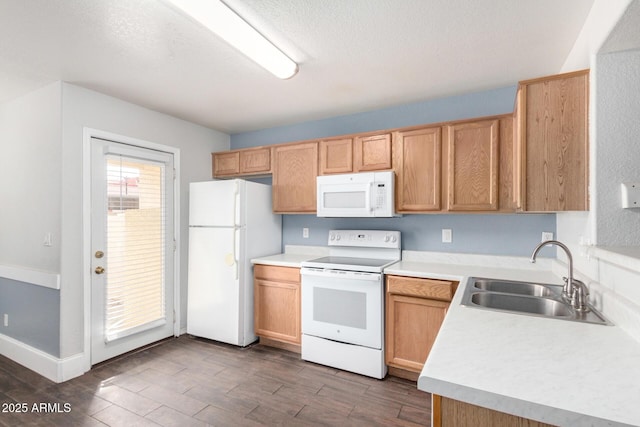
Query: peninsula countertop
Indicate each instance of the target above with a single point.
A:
(555, 371)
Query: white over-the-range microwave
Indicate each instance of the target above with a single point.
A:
(365, 194)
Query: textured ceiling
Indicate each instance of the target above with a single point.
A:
(355, 55)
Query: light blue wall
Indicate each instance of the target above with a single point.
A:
(495, 234)
(499, 234)
(34, 315)
(489, 103)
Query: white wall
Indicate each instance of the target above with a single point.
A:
(618, 146)
(610, 42)
(84, 108)
(576, 227)
(30, 165)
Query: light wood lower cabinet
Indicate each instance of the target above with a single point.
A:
(277, 305)
(453, 413)
(415, 310)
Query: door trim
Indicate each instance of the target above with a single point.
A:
(87, 134)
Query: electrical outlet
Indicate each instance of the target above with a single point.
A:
(6, 319)
(446, 235)
(305, 233)
(546, 235)
(47, 239)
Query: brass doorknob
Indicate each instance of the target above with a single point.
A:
(99, 254)
(99, 270)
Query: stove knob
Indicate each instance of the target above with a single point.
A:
(394, 239)
(387, 238)
(332, 237)
(338, 237)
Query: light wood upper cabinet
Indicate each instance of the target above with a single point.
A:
(250, 161)
(336, 156)
(552, 144)
(417, 163)
(371, 153)
(255, 160)
(295, 167)
(508, 173)
(277, 303)
(472, 165)
(416, 308)
(355, 154)
(226, 163)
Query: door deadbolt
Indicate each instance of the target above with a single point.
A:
(99, 254)
(99, 270)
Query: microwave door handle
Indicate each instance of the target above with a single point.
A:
(370, 196)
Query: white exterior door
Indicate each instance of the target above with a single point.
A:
(132, 243)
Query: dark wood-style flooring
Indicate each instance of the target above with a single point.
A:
(193, 382)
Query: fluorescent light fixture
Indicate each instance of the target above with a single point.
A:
(217, 17)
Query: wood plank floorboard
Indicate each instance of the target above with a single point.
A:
(189, 381)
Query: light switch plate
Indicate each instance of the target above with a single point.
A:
(630, 195)
(546, 235)
(446, 235)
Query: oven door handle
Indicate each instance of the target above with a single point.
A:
(339, 274)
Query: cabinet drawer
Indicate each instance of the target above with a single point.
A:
(276, 273)
(423, 288)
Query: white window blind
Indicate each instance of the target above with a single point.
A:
(135, 231)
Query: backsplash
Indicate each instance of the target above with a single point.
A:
(613, 288)
(492, 234)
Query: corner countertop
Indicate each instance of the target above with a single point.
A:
(554, 371)
(293, 256)
(283, 260)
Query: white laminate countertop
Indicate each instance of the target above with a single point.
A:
(555, 371)
(283, 260)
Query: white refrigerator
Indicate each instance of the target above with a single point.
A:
(230, 222)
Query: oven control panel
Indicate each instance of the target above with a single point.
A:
(365, 238)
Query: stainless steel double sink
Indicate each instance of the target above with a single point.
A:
(533, 299)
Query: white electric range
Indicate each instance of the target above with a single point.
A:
(343, 301)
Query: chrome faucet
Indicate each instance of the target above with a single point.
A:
(574, 290)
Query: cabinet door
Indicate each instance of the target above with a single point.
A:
(294, 178)
(553, 116)
(226, 163)
(507, 175)
(255, 160)
(412, 326)
(336, 156)
(372, 153)
(472, 165)
(417, 164)
(277, 310)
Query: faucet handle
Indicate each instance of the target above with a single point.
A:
(579, 297)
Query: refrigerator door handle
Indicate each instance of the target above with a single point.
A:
(236, 237)
(236, 196)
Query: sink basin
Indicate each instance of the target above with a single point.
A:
(521, 304)
(532, 299)
(519, 288)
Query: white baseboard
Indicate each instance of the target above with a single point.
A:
(50, 367)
